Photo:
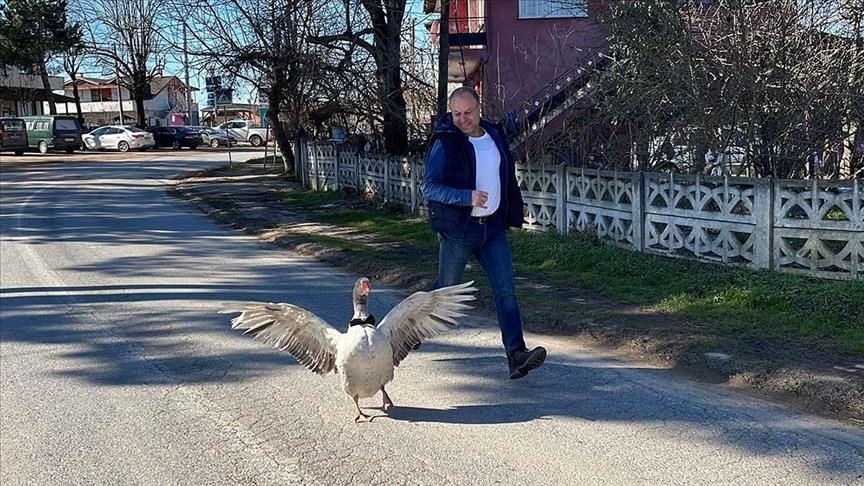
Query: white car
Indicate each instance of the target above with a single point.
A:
(118, 137)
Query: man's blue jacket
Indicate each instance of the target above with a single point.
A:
(450, 176)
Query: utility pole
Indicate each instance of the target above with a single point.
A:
(443, 56)
(119, 87)
(186, 70)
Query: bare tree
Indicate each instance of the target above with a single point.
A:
(32, 32)
(769, 84)
(72, 61)
(851, 15)
(379, 33)
(420, 85)
(264, 43)
(128, 35)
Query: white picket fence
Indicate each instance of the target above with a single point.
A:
(809, 227)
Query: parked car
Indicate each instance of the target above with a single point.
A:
(246, 131)
(215, 137)
(119, 137)
(13, 135)
(53, 132)
(176, 137)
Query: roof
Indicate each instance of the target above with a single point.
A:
(232, 107)
(85, 79)
(31, 94)
(157, 84)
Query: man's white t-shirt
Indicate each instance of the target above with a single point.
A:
(488, 162)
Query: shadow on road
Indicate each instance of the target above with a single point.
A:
(147, 345)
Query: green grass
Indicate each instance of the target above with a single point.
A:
(330, 207)
(731, 302)
(734, 300)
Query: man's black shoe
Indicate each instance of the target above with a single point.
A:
(522, 361)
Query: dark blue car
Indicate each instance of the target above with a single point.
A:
(176, 137)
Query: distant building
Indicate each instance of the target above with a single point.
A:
(100, 102)
(23, 94)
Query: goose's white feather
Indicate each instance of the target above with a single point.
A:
(364, 360)
(290, 328)
(423, 315)
(364, 356)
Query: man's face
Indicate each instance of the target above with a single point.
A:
(466, 115)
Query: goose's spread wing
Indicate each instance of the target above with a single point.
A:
(423, 315)
(290, 328)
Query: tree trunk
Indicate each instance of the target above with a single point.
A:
(850, 131)
(139, 108)
(140, 91)
(46, 85)
(77, 96)
(395, 125)
(275, 97)
(388, 37)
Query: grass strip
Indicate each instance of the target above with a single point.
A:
(729, 302)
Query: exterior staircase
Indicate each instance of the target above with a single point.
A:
(540, 118)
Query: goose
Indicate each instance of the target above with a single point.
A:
(365, 355)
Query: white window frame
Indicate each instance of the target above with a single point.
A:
(552, 9)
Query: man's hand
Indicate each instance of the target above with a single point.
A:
(479, 198)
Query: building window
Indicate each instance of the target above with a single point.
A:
(544, 9)
(100, 94)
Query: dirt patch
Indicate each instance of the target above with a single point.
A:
(795, 373)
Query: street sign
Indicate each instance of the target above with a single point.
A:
(224, 96)
(212, 83)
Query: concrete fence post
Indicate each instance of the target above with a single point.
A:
(299, 148)
(388, 161)
(336, 167)
(315, 182)
(561, 199)
(763, 229)
(357, 178)
(414, 183)
(857, 262)
(637, 209)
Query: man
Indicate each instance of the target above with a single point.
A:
(470, 183)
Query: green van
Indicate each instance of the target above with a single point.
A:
(53, 132)
(13, 135)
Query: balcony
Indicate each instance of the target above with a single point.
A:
(467, 31)
(464, 32)
(467, 22)
(113, 106)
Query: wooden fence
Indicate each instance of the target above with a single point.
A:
(801, 226)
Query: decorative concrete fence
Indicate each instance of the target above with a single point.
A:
(396, 180)
(801, 226)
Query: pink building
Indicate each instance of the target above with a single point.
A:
(526, 57)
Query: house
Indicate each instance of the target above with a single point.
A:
(101, 102)
(527, 58)
(23, 94)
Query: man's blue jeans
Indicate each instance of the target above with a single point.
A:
(488, 243)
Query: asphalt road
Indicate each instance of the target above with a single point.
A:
(116, 369)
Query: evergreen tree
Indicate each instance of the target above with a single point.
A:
(33, 31)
